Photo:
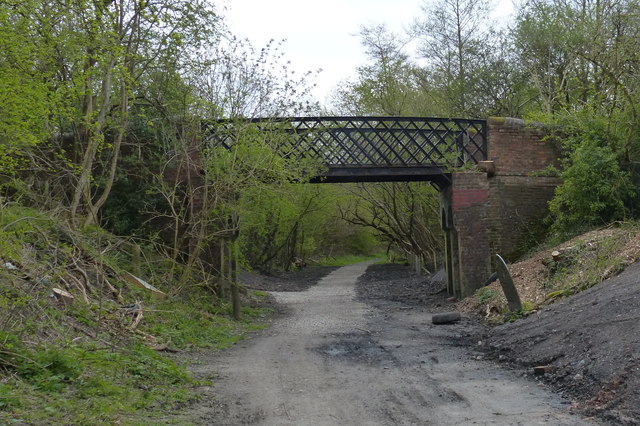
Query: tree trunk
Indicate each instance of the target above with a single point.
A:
(94, 208)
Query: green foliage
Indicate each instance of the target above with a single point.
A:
(47, 368)
(403, 215)
(527, 309)
(24, 101)
(10, 398)
(19, 220)
(281, 217)
(558, 294)
(131, 197)
(260, 294)
(77, 384)
(595, 189)
(200, 323)
(280, 223)
(69, 77)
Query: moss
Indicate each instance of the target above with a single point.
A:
(497, 120)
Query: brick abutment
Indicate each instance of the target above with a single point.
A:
(487, 213)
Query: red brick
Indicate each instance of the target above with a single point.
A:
(491, 215)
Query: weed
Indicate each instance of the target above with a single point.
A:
(83, 384)
(526, 310)
(488, 295)
(262, 295)
(198, 322)
(9, 398)
(83, 314)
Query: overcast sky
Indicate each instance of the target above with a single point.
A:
(321, 34)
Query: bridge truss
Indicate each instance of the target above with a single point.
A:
(369, 149)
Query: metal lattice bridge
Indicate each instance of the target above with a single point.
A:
(369, 149)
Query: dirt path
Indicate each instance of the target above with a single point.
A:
(337, 361)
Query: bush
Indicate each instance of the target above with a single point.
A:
(595, 190)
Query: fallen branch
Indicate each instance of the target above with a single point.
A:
(62, 295)
(66, 284)
(139, 282)
(136, 321)
(146, 335)
(87, 282)
(85, 332)
(116, 293)
(80, 287)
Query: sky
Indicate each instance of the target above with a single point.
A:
(322, 35)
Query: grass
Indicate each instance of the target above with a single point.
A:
(349, 259)
(527, 309)
(62, 382)
(488, 295)
(196, 323)
(260, 295)
(80, 363)
(85, 383)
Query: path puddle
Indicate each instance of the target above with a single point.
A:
(357, 348)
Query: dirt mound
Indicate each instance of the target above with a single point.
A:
(530, 274)
(398, 283)
(560, 271)
(582, 320)
(592, 340)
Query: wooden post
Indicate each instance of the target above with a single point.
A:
(417, 264)
(223, 284)
(135, 260)
(233, 272)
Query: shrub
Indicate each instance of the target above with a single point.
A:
(595, 190)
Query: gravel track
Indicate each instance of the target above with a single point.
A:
(335, 359)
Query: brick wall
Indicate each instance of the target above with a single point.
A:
(517, 147)
(517, 205)
(518, 197)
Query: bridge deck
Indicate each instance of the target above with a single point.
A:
(343, 174)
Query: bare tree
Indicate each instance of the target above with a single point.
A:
(405, 215)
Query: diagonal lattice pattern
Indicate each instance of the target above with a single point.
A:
(366, 141)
